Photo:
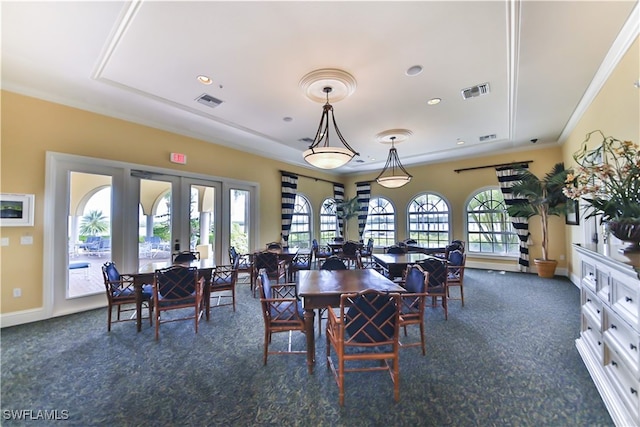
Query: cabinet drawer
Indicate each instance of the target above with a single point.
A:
(593, 308)
(625, 301)
(592, 336)
(589, 276)
(627, 386)
(620, 339)
(602, 285)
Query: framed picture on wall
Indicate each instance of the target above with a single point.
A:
(16, 210)
(572, 214)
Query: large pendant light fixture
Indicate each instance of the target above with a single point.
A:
(320, 153)
(393, 175)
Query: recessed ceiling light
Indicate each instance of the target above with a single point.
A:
(414, 70)
(287, 119)
(434, 101)
(204, 80)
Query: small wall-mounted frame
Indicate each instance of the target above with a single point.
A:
(16, 210)
(572, 214)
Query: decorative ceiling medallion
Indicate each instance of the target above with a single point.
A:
(342, 84)
(393, 135)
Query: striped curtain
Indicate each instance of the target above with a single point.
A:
(363, 192)
(338, 195)
(289, 187)
(507, 176)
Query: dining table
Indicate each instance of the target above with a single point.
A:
(146, 272)
(395, 264)
(323, 288)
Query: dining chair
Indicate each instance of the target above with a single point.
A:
(413, 302)
(350, 251)
(319, 253)
(121, 293)
(274, 246)
(437, 284)
(395, 249)
(281, 311)
(455, 273)
(365, 330)
(244, 263)
(178, 288)
(272, 264)
(334, 262)
(186, 257)
(302, 261)
(223, 282)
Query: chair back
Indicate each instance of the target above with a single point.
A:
(233, 254)
(186, 257)
(349, 249)
(224, 276)
(314, 245)
(370, 245)
(372, 317)
(437, 271)
(416, 279)
(274, 246)
(176, 283)
(338, 239)
(396, 249)
(115, 286)
(333, 263)
(110, 272)
(266, 260)
(302, 261)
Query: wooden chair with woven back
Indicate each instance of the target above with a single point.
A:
(222, 288)
(121, 294)
(178, 288)
(437, 284)
(413, 302)
(455, 273)
(272, 264)
(281, 311)
(365, 329)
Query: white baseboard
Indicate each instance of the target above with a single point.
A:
(21, 317)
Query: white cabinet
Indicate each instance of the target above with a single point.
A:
(609, 341)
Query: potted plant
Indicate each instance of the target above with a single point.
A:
(543, 197)
(345, 210)
(607, 179)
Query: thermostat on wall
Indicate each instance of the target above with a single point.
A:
(179, 158)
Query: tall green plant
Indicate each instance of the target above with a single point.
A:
(544, 197)
(345, 210)
(94, 223)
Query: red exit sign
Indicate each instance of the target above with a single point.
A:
(179, 158)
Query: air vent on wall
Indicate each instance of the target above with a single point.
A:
(487, 137)
(475, 91)
(208, 100)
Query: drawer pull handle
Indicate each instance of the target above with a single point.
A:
(599, 343)
(633, 347)
(628, 299)
(588, 299)
(598, 311)
(588, 328)
(613, 326)
(633, 390)
(614, 363)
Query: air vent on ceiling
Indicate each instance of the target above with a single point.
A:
(475, 91)
(487, 137)
(208, 100)
(306, 140)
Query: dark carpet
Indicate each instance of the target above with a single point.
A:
(507, 358)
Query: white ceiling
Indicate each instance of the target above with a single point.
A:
(139, 61)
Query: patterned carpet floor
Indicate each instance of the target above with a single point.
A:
(507, 358)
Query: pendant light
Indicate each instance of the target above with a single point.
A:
(393, 175)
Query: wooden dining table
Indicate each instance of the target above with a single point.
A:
(145, 274)
(323, 288)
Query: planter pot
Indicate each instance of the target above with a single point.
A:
(546, 268)
(627, 232)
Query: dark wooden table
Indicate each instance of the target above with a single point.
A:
(145, 274)
(395, 264)
(322, 289)
(425, 250)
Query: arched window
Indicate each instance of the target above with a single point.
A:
(428, 219)
(489, 229)
(380, 222)
(328, 221)
(300, 234)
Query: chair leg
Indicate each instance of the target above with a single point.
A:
(422, 338)
(110, 308)
(462, 294)
(267, 340)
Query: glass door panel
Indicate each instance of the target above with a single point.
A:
(155, 221)
(239, 215)
(89, 232)
(202, 220)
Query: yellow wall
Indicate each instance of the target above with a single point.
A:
(616, 112)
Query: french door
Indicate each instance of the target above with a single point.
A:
(131, 216)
